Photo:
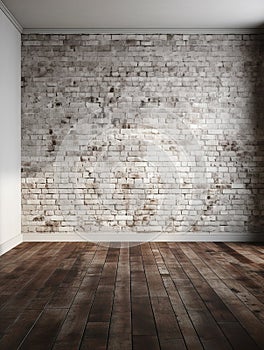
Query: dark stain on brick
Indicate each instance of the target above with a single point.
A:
(52, 224)
(131, 224)
(112, 89)
(194, 228)
(23, 82)
(230, 146)
(131, 42)
(125, 125)
(92, 99)
(134, 176)
(126, 186)
(38, 218)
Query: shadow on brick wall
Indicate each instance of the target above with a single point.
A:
(256, 55)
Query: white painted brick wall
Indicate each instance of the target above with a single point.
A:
(142, 133)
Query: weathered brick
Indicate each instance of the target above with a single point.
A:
(142, 133)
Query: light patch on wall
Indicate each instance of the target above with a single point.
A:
(121, 176)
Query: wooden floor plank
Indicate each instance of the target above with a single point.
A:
(72, 330)
(24, 295)
(45, 330)
(96, 335)
(97, 328)
(120, 326)
(244, 316)
(247, 319)
(188, 330)
(150, 296)
(168, 329)
(209, 332)
(20, 253)
(143, 342)
(238, 336)
(21, 268)
(144, 330)
(14, 337)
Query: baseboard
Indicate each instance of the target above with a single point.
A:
(10, 244)
(52, 237)
(145, 237)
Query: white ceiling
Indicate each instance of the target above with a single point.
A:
(137, 13)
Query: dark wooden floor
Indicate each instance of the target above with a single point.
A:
(152, 296)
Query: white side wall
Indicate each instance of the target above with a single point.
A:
(10, 135)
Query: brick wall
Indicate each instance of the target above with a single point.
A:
(142, 133)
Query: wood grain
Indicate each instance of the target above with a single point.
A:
(151, 296)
